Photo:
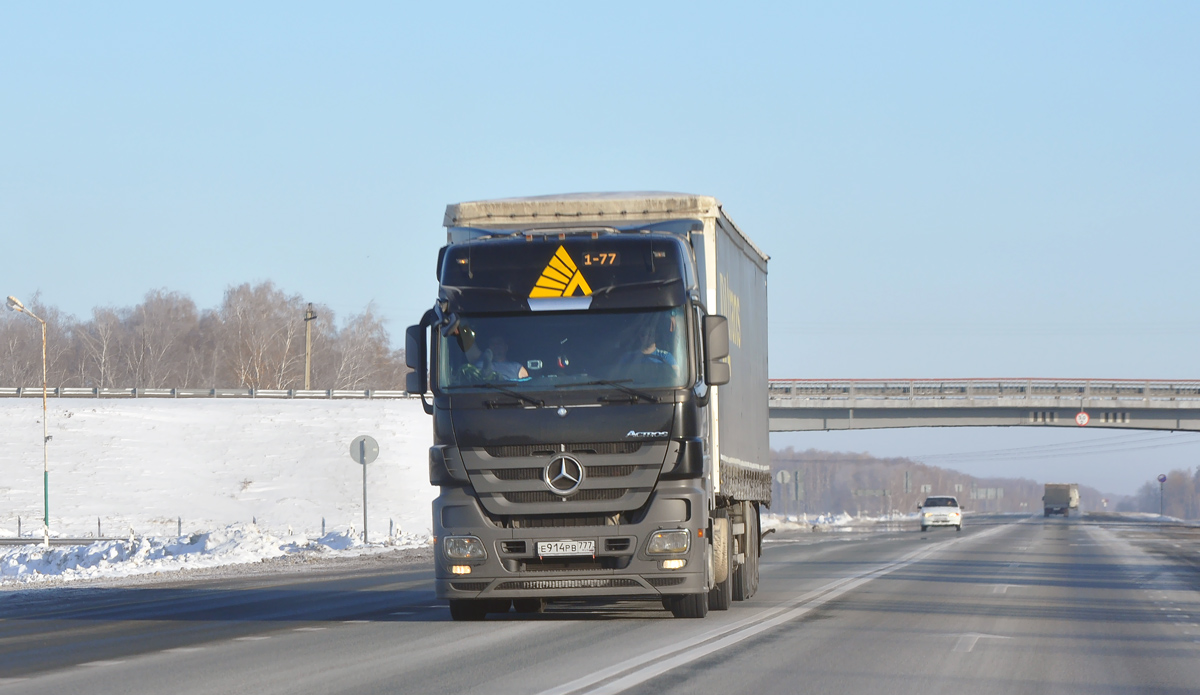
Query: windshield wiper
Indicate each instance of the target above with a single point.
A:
(615, 384)
(508, 392)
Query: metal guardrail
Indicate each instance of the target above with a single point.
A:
(75, 392)
(1121, 390)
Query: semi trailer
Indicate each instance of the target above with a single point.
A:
(596, 372)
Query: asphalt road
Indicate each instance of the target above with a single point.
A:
(1007, 605)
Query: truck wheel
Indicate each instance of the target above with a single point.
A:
(924, 529)
(468, 609)
(745, 577)
(529, 605)
(721, 594)
(958, 528)
(690, 605)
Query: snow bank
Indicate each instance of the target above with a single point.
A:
(252, 478)
(235, 544)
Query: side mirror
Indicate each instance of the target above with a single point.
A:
(716, 349)
(415, 357)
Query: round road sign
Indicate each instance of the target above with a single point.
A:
(1162, 478)
(364, 449)
(784, 477)
(1082, 418)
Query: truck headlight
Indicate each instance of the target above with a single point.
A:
(928, 514)
(463, 548)
(676, 541)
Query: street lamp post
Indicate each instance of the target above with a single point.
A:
(15, 305)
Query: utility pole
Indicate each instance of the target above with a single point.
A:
(309, 315)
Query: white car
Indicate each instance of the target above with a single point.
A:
(940, 511)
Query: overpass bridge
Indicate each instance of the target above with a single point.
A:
(798, 405)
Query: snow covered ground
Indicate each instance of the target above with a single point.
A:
(246, 480)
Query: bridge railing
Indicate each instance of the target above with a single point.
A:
(74, 392)
(983, 389)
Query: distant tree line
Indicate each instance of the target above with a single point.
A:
(254, 339)
(1180, 496)
(831, 479)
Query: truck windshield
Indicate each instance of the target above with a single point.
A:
(542, 351)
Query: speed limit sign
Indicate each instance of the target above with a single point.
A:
(1082, 418)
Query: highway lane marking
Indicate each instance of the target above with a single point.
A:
(967, 641)
(355, 622)
(183, 650)
(1001, 588)
(309, 629)
(102, 662)
(635, 671)
(251, 638)
(12, 681)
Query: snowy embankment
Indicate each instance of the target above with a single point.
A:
(201, 483)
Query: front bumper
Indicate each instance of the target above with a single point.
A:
(941, 520)
(620, 566)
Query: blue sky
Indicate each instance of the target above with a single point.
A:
(946, 189)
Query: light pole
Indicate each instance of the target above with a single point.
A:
(309, 316)
(15, 305)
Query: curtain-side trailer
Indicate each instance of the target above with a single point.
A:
(598, 371)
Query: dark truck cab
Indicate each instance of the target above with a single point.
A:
(573, 371)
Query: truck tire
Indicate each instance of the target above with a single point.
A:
(689, 605)
(529, 605)
(721, 595)
(745, 576)
(468, 609)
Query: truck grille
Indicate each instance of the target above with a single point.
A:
(664, 581)
(536, 584)
(517, 450)
(517, 473)
(563, 521)
(468, 586)
(537, 473)
(542, 496)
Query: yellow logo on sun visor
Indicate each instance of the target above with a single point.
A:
(561, 278)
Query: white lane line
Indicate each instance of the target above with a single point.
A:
(102, 662)
(251, 638)
(967, 641)
(355, 622)
(12, 681)
(638, 670)
(1000, 588)
(183, 650)
(308, 629)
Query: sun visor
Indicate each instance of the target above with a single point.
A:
(565, 273)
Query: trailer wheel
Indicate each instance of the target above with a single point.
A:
(745, 577)
(468, 609)
(721, 594)
(689, 605)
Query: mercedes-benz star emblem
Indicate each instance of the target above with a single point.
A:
(564, 475)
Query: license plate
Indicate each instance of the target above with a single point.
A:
(551, 548)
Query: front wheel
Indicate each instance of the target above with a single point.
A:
(468, 609)
(924, 529)
(689, 605)
(958, 528)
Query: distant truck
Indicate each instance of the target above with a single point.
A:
(598, 367)
(1060, 498)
